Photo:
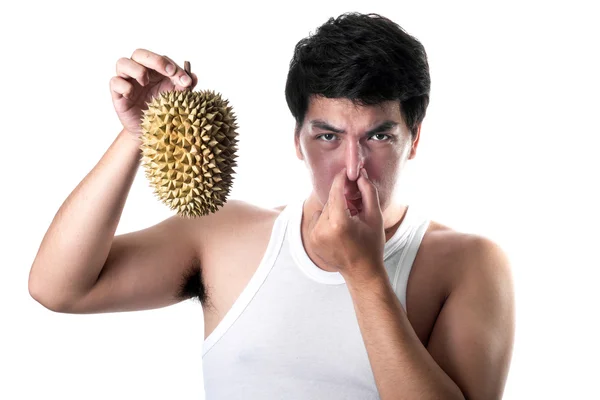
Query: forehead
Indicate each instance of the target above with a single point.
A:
(352, 118)
(342, 108)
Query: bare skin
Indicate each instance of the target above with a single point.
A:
(439, 272)
(432, 268)
(459, 295)
(459, 298)
(239, 258)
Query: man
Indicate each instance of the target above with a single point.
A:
(345, 294)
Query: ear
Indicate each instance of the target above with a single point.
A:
(297, 145)
(415, 144)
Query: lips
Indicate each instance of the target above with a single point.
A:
(354, 196)
(355, 206)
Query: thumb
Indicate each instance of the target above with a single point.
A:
(370, 196)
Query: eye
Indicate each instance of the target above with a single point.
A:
(326, 134)
(380, 134)
(330, 137)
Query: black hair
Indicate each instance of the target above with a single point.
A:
(366, 58)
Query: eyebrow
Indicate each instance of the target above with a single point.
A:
(384, 126)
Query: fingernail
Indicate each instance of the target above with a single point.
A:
(185, 80)
(364, 172)
(170, 69)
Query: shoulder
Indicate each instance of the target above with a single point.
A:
(279, 208)
(234, 218)
(474, 328)
(467, 258)
(235, 211)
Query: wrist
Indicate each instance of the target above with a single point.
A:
(367, 275)
(131, 138)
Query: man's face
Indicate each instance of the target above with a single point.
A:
(338, 134)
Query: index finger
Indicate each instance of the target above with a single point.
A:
(337, 201)
(161, 64)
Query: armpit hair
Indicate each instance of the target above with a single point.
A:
(192, 285)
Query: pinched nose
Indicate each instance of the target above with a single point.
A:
(353, 163)
(353, 172)
(354, 160)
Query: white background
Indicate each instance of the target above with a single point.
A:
(508, 150)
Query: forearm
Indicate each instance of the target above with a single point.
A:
(76, 245)
(402, 366)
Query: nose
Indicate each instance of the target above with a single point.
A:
(354, 159)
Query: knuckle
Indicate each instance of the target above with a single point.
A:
(337, 226)
(164, 61)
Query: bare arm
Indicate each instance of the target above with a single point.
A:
(470, 348)
(78, 241)
(473, 337)
(80, 263)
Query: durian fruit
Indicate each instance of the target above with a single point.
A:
(189, 145)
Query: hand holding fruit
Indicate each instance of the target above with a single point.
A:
(141, 78)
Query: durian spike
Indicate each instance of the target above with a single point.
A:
(189, 145)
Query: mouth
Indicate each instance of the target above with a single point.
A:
(355, 205)
(355, 196)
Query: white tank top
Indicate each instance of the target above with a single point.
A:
(293, 333)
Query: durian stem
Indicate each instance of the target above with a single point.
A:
(188, 68)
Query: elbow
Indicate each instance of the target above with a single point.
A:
(42, 297)
(52, 306)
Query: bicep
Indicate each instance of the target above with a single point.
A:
(473, 336)
(144, 270)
